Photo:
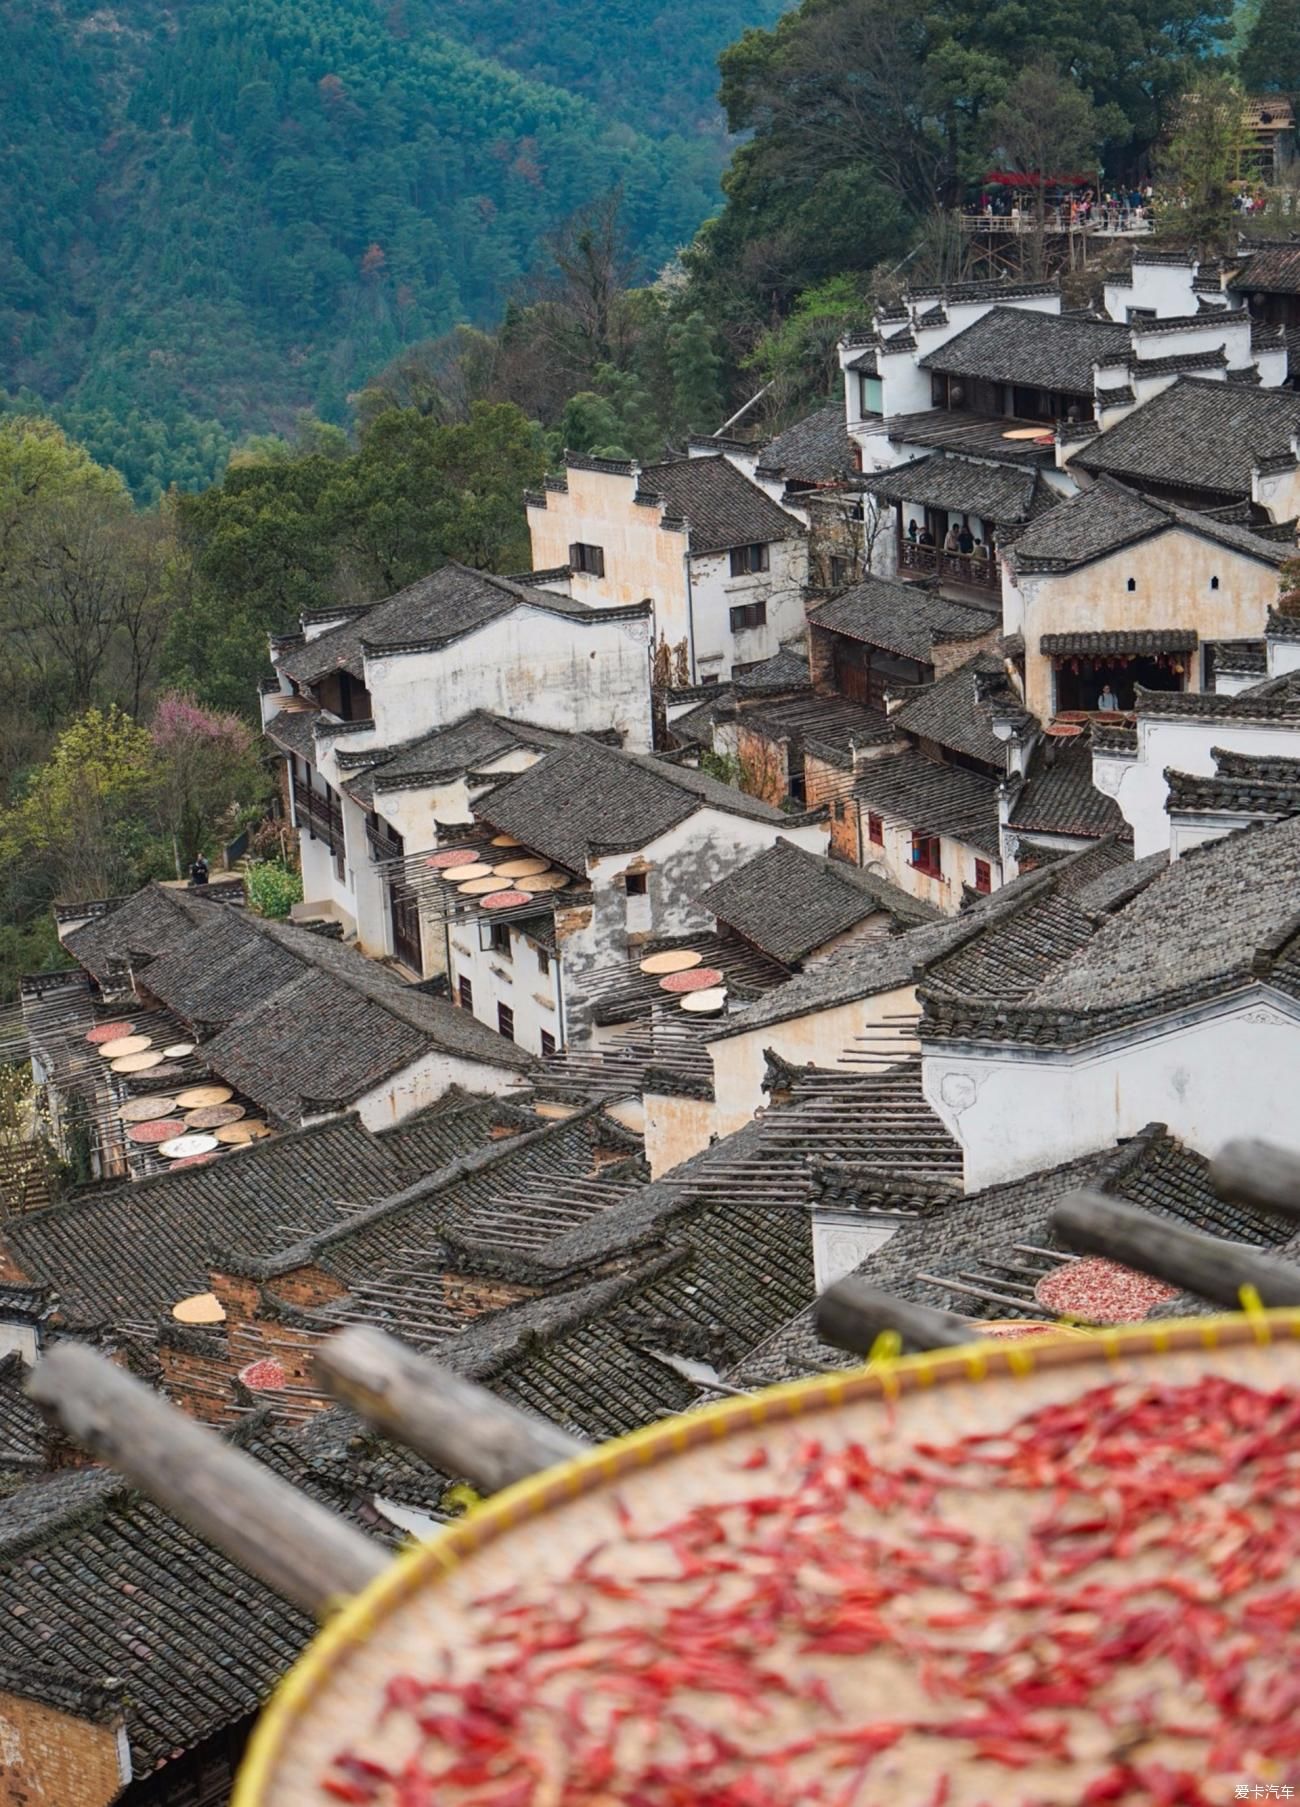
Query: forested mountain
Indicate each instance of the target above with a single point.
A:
(218, 215)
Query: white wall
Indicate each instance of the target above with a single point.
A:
(1165, 287)
(842, 1242)
(1225, 1072)
(423, 1083)
(1183, 744)
(516, 980)
(956, 858)
(715, 592)
(541, 668)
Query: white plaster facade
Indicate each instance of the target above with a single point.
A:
(422, 1083)
(1220, 1071)
(647, 553)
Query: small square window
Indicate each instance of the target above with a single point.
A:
(876, 829)
(746, 561)
(506, 1022)
(588, 559)
(983, 876)
(465, 994)
(749, 614)
(926, 855)
(636, 883)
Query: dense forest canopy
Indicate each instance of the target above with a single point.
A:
(219, 215)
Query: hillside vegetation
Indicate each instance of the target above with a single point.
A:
(220, 215)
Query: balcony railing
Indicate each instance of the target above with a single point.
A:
(383, 846)
(950, 567)
(320, 816)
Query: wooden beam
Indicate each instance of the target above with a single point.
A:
(851, 1315)
(305, 1552)
(1258, 1173)
(1205, 1265)
(458, 1426)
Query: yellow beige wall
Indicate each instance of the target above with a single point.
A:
(675, 1129)
(824, 1039)
(641, 559)
(1172, 573)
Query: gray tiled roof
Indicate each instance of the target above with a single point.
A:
(932, 798)
(955, 712)
(446, 752)
(816, 449)
(1060, 796)
(1152, 1170)
(24, 1436)
(1198, 435)
(1118, 884)
(785, 670)
(721, 506)
(590, 797)
(876, 966)
(152, 920)
(445, 606)
(963, 430)
(1045, 351)
(1273, 270)
(293, 731)
(1019, 946)
(1266, 788)
(789, 902)
(831, 727)
(1108, 516)
(1275, 699)
(901, 618)
(1007, 494)
(1202, 919)
(130, 1252)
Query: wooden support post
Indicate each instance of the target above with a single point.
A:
(851, 1315)
(1205, 1265)
(1258, 1173)
(305, 1552)
(459, 1426)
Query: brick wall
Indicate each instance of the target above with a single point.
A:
(949, 654)
(763, 771)
(50, 1759)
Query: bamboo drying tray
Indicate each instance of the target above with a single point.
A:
(429, 1607)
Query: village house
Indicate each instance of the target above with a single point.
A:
(1114, 590)
(722, 564)
(1181, 1008)
(369, 681)
(631, 842)
(300, 1026)
(1191, 767)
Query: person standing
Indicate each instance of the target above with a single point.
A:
(199, 871)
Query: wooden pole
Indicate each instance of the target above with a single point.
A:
(459, 1426)
(1205, 1265)
(1258, 1173)
(305, 1552)
(851, 1315)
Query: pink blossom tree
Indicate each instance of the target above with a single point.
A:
(206, 769)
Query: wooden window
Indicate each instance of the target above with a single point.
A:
(548, 1044)
(746, 560)
(500, 940)
(506, 1021)
(590, 559)
(983, 876)
(841, 570)
(543, 960)
(636, 883)
(876, 828)
(926, 856)
(465, 994)
(749, 614)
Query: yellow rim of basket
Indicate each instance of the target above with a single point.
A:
(886, 1376)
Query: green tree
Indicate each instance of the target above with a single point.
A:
(1270, 60)
(1043, 126)
(79, 830)
(1199, 166)
(697, 375)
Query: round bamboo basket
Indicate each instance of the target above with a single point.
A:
(437, 1612)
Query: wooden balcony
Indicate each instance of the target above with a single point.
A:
(950, 567)
(321, 816)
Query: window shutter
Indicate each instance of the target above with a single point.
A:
(575, 560)
(599, 560)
